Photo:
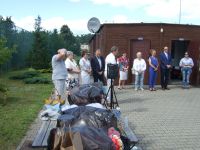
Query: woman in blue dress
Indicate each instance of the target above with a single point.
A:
(153, 68)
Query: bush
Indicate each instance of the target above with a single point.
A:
(3, 88)
(45, 71)
(36, 80)
(25, 75)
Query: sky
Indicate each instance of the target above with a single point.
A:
(76, 13)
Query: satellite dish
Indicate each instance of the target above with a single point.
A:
(93, 25)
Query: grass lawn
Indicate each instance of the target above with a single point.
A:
(22, 106)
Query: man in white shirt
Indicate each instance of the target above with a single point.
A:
(139, 66)
(186, 65)
(110, 59)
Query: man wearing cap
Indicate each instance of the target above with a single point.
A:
(59, 72)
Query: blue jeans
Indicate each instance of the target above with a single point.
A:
(139, 80)
(186, 72)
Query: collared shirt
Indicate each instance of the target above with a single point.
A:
(110, 59)
(99, 60)
(166, 54)
(139, 65)
(186, 62)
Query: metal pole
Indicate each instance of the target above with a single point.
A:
(180, 13)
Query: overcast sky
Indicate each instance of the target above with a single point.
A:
(76, 13)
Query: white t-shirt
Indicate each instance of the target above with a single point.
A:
(185, 62)
(139, 65)
(110, 59)
(71, 64)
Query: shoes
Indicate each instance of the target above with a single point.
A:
(136, 89)
(150, 89)
(167, 88)
(119, 88)
(154, 89)
(141, 89)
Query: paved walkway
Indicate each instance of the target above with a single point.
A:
(162, 120)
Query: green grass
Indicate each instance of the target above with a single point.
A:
(22, 106)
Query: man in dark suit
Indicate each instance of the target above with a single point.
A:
(98, 66)
(165, 60)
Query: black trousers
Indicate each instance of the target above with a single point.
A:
(164, 77)
(99, 77)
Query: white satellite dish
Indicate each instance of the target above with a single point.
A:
(93, 25)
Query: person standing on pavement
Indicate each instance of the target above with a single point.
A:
(59, 73)
(186, 64)
(86, 69)
(165, 65)
(123, 63)
(98, 66)
(153, 69)
(110, 59)
(139, 66)
(72, 79)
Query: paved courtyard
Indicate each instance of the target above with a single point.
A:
(163, 120)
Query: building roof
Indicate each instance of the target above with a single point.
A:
(142, 24)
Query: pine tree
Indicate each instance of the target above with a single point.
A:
(40, 58)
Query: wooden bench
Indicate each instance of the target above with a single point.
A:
(43, 133)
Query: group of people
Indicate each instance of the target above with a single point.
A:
(67, 73)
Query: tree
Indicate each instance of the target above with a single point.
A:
(84, 38)
(5, 52)
(69, 39)
(39, 55)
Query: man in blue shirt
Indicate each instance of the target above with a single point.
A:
(165, 65)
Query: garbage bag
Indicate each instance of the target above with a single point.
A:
(86, 94)
(88, 116)
(91, 138)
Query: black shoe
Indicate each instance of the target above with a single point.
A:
(167, 88)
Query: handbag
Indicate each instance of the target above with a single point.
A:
(71, 141)
(133, 71)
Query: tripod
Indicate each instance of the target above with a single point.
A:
(113, 103)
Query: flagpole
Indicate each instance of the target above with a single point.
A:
(180, 13)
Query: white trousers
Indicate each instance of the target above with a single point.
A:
(60, 88)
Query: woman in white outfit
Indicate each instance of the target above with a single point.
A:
(139, 66)
(73, 71)
(85, 68)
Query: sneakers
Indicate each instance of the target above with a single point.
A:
(141, 89)
(136, 89)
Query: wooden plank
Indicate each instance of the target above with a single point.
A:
(129, 132)
(41, 134)
(51, 126)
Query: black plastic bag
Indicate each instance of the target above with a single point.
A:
(88, 116)
(86, 94)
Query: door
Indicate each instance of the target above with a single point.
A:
(139, 46)
(194, 53)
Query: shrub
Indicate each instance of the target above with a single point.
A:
(45, 71)
(3, 88)
(25, 75)
(36, 80)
